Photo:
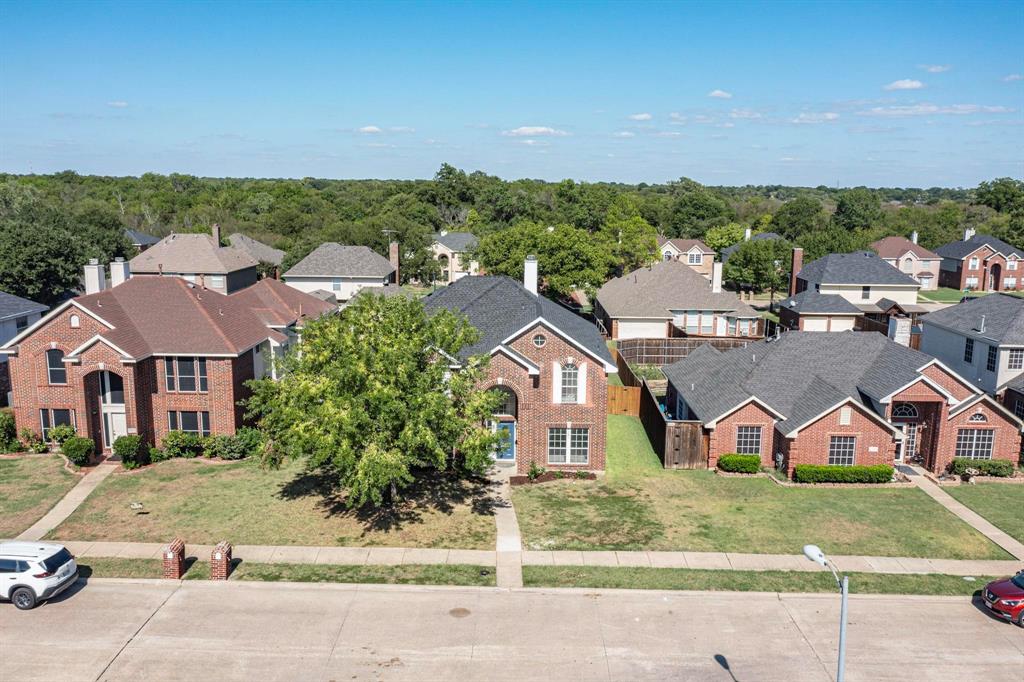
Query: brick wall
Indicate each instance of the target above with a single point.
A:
(946, 380)
(722, 439)
(811, 444)
(958, 278)
(1006, 439)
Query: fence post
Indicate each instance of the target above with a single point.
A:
(173, 555)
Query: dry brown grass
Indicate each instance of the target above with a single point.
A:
(29, 487)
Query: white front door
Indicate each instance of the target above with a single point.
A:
(115, 422)
(115, 425)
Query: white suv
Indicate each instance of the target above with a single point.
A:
(32, 571)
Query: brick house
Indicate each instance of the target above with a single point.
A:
(844, 398)
(980, 262)
(910, 258)
(151, 355)
(693, 252)
(669, 299)
(550, 365)
(16, 314)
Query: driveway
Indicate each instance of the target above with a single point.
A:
(131, 630)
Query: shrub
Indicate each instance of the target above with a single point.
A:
(535, 471)
(245, 443)
(827, 473)
(157, 455)
(182, 444)
(78, 450)
(33, 442)
(8, 430)
(740, 464)
(988, 467)
(60, 433)
(132, 451)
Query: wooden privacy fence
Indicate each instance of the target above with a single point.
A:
(662, 352)
(624, 400)
(680, 444)
(625, 371)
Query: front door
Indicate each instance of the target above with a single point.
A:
(909, 449)
(115, 422)
(507, 449)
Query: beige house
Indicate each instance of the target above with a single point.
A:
(450, 249)
(197, 258)
(693, 252)
(342, 270)
(911, 259)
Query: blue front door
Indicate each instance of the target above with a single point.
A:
(507, 449)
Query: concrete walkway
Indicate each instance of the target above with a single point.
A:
(510, 543)
(70, 502)
(975, 520)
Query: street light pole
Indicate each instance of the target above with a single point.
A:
(814, 553)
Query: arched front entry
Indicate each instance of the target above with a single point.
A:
(108, 397)
(445, 264)
(505, 420)
(995, 277)
(907, 417)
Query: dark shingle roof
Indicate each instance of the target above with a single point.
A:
(959, 250)
(760, 236)
(16, 306)
(1003, 313)
(656, 290)
(456, 241)
(811, 302)
(860, 267)
(141, 238)
(334, 260)
(798, 375)
(499, 306)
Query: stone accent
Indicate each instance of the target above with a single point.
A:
(220, 561)
(173, 556)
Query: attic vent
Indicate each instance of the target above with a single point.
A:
(753, 357)
(220, 311)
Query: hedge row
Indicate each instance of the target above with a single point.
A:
(829, 473)
(988, 467)
(740, 464)
(246, 442)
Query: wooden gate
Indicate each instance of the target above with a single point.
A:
(684, 446)
(624, 400)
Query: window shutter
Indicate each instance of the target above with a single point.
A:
(556, 382)
(581, 384)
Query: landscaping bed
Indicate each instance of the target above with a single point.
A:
(30, 485)
(548, 476)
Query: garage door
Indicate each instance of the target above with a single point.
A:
(815, 324)
(645, 329)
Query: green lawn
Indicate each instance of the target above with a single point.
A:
(1000, 503)
(614, 380)
(638, 505)
(946, 295)
(29, 487)
(745, 581)
(204, 503)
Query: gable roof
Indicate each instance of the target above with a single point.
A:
(810, 302)
(798, 375)
(499, 307)
(456, 241)
(141, 238)
(963, 248)
(279, 305)
(656, 290)
(759, 237)
(859, 267)
(685, 245)
(257, 249)
(897, 247)
(16, 306)
(1003, 313)
(191, 253)
(331, 259)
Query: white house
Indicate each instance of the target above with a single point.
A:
(342, 270)
(449, 249)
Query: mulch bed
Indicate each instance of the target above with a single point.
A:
(902, 482)
(553, 476)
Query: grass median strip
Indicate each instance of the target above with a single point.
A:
(745, 581)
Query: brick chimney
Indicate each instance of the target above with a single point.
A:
(215, 231)
(796, 265)
(393, 257)
(530, 274)
(95, 278)
(120, 272)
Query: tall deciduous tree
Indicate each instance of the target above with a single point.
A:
(857, 209)
(633, 241)
(722, 236)
(369, 399)
(799, 216)
(763, 264)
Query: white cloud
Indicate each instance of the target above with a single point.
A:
(1013, 77)
(623, 133)
(668, 133)
(117, 104)
(677, 119)
(925, 109)
(533, 131)
(401, 129)
(935, 68)
(379, 145)
(744, 113)
(815, 117)
(727, 124)
(720, 94)
(535, 143)
(370, 130)
(789, 159)
(640, 117)
(904, 84)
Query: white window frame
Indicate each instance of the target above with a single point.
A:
(336, 284)
(745, 439)
(217, 282)
(695, 258)
(971, 283)
(557, 389)
(60, 367)
(974, 443)
(567, 440)
(973, 263)
(1011, 263)
(842, 448)
(1015, 358)
(1009, 282)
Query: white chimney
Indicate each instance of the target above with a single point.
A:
(913, 236)
(95, 280)
(120, 272)
(716, 277)
(968, 233)
(746, 235)
(530, 274)
(215, 231)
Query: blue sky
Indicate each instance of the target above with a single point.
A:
(904, 94)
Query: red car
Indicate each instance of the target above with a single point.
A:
(1005, 598)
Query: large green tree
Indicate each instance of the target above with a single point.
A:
(370, 399)
(763, 264)
(799, 216)
(857, 209)
(633, 242)
(722, 236)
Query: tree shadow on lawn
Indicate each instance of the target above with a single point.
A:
(431, 491)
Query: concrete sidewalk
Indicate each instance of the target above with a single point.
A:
(70, 502)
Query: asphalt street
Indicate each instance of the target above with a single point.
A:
(155, 630)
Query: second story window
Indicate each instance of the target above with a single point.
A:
(21, 323)
(56, 372)
(570, 383)
(865, 293)
(216, 281)
(186, 375)
(990, 361)
(968, 351)
(1011, 264)
(908, 265)
(695, 258)
(1016, 359)
(972, 264)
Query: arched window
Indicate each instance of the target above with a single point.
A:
(509, 406)
(908, 265)
(905, 410)
(570, 383)
(56, 372)
(978, 417)
(76, 322)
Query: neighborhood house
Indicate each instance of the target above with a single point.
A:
(550, 365)
(16, 314)
(196, 258)
(693, 252)
(450, 251)
(980, 262)
(342, 271)
(839, 399)
(907, 256)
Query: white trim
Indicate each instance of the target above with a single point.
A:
(49, 316)
(609, 367)
(752, 399)
(581, 384)
(949, 397)
(796, 431)
(956, 377)
(556, 383)
(99, 339)
(983, 397)
(531, 368)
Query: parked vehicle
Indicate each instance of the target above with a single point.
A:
(33, 571)
(1005, 598)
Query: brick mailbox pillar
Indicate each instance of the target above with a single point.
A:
(220, 561)
(173, 555)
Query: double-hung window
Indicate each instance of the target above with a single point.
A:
(1016, 358)
(1009, 282)
(692, 321)
(707, 322)
(56, 372)
(865, 293)
(189, 422)
(216, 281)
(968, 351)
(21, 323)
(748, 440)
(973, 263)
(841, 450)
(695, 258)
(990, 360)
(570, 383)
(49, 418)
(1011, 264)
(974, 443)
(568, 445)
(186, 375)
